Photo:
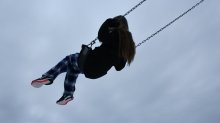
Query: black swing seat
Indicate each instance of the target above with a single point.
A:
(82, 56)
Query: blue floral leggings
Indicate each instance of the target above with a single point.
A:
(70, 66)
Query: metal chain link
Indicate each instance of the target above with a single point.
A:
(94, 41)
(161, 29)
(134, 8)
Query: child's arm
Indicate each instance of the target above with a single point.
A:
(120, 65)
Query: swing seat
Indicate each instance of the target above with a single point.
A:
(83, 55)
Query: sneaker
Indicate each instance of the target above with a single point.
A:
(44, 80)
(65, 99)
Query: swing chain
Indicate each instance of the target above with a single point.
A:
(161, 29)
(134, 8)
(92, 42)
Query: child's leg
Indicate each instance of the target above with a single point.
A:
(71, 75)
(49, 76)
(70, 80)
(61, 67)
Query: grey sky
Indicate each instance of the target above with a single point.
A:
(173, 79)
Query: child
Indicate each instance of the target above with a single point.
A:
(117, 48)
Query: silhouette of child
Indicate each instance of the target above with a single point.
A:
(117, 48)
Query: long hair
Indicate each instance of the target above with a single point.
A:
(126, 44)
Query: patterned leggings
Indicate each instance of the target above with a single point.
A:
(70, 66)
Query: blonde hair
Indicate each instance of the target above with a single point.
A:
(127, 47)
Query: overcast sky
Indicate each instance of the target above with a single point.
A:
(175, 77)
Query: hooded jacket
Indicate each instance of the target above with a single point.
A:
(100, 60)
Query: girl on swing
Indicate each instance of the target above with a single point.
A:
(117, 48)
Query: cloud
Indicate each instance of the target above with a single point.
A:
(174, 77)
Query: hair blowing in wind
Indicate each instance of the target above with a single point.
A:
(126, 43)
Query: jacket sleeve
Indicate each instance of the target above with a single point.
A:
(120, 65)
(104, 32)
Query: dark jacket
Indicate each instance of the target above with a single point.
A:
(102, 58)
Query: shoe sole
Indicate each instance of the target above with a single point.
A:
(64, 102)
(39, 83)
